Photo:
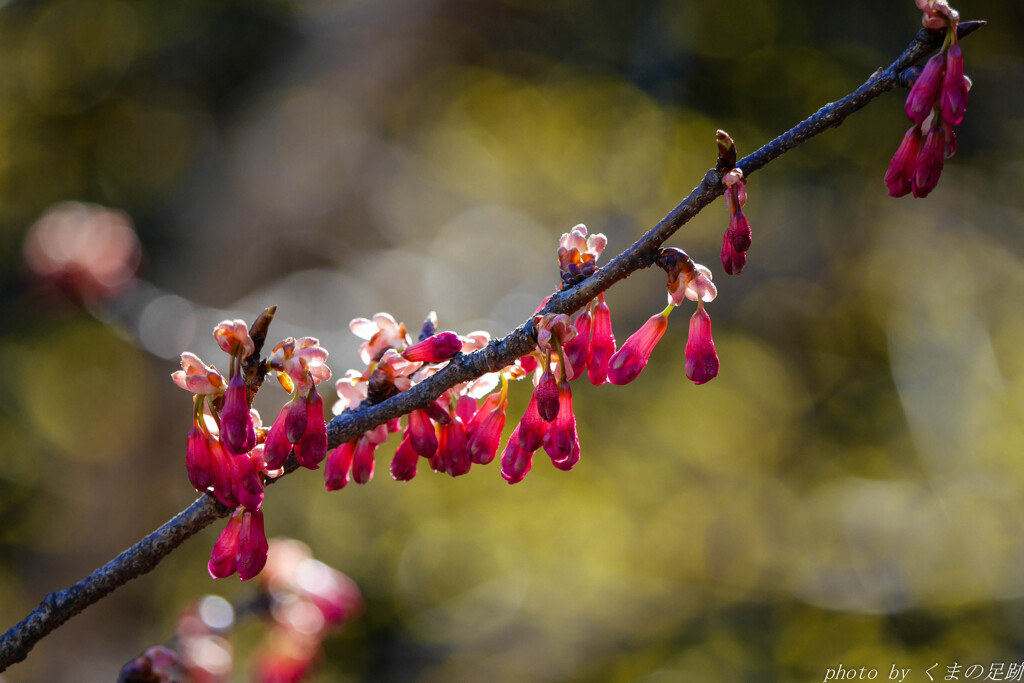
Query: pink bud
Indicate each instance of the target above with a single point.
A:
(732, 260)
(236, 428)
(529, 364)
(252, 545)
(531, 428)
(929, 163)
(339, 465)
(451, 448)
(903, 164)
(570, 462)
(632, 357)
(515, 462)
(403, 465)
(484, 430)
(926, 89)
(421, 434)
(561, 438)
(953, 99)
(546, 396)
(739, 231)
(295, 422)
(436, 349)
(701, 358)
(312, 447)
(602, 344)
(577, 351)
(362, 461)
(277, 446)
(198, 460)
(222, 557)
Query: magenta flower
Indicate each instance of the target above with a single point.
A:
(930, 161)
(736, 240)
(953, 100)
(925, 90)
(339, 465)
(246, 484)
(237, 432)
(277, 446)
(701, 358)
(451, 448)
(532, 427)
(222, 558)
(901, 169)
(312, 445)
(295, 420)
(403, 465)
(545, 394)
(632, 357)
(577, 351)
(561, 440)
(436, 349)
(484, 430)
(252, 545)
(602, 343)
(515, 461)
(199, 460)
(362, 460)
(421, 435)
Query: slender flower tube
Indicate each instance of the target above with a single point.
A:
(277, 446)
(421, 434)
(451, 448)
(312, 447)
(701, 358)
(252, 545)
(515, 461)
(577, 350)
(484, 430)
(546, 394)
(339, 465)
(236, 428)
(631, 358)
(904, 163)
(532, 427)
(602, 344)
(222, 557)
(929, 162)
(247, 486)
(466, 408)
(403, 465)
(362, 460)
(953, 99)
(295, 422)
(561, 439)
(925, 90)
(199, 460)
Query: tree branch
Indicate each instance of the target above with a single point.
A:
(60, 606)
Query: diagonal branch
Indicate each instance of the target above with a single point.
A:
(142, 557)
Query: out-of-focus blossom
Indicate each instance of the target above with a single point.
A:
(157, 664)
(89, 251)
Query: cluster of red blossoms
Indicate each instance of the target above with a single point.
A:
(230, 455)
(937, 102)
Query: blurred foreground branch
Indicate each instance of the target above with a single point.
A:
(142, 557)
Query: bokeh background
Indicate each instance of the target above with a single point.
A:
(850, 489)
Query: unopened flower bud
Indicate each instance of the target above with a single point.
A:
(926, 89)
(236, 428)
(531, 427)
(561, 438)
(339, 465)
(904, 163)
(222, 557)
(435, 349)
(252, 545)
(484, 430)
(953, 99)
(602, 343)
(295, 421)
(632, 357)
(451, 447)
(312, 447)
(701, 358)
(403, 465)
(515, 462)
(421, 435)
(546, 395)
(199, 460)
(929, 162)
(362, 460)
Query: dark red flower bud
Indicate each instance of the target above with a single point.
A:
(531, 427)
(451, 447)
(903, 164)
(484, 430)
(466, 408)
(312, 447)
(421, 434)
(295, 422)
(561, 438)
(602, 343)
(577, 350)
(632, 357)
(222, 557)
(252, 545)
(953, 100)
(546, 396)
(929, 163)
(701, 358)
(362, 461)
(926, 89)
(199, 460)
(515, 462)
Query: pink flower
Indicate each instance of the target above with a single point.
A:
(339, 465)
(237, 431)
(197, 377)
(403, 465)
(578, 254)
(561, 441)
(484, 430)
(465, 408)
(577, 351)
(451, 448)
(436, 349)
(925, 90)
(421, 435)
(904, 163)
(953, 99)
(701, 358)
(930, 161)
(545, 394)
(362, 460)
(532, 427)
(246, 484)
(602, 343)
(312, 445)
(299, 362)
(233, 338)
(296, 419)
(252, 545)
(632, 357)
(277, 446)
(222, 558)
(515, 462)
(735, 242)
(199, 460)
(381, 333)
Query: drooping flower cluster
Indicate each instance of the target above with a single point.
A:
(229, 453)
(937, 102)
(736, 240)
(452, 433)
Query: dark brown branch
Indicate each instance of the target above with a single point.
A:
(146, 554)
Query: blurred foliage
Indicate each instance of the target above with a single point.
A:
(849, 490)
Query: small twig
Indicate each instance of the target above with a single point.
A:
(60, 606)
